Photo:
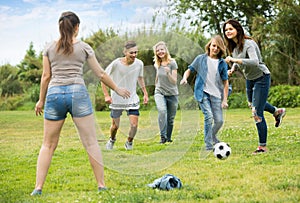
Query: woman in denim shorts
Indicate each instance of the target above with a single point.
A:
(63, 91)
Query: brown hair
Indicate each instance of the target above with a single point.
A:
(220, 44)
(129, 44)
(67, 25)
(240, 36)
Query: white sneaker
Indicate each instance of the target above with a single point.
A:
(110, 144)
(128, 145)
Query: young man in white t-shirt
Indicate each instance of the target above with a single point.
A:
(126, 71)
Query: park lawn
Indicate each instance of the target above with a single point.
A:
(243, 177)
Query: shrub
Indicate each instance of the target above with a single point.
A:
(281, 96)
(237, 100)
(285, 96)
(11, 103)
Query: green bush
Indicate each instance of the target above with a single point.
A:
(280, 96)
(32, 94)
(237, 100)
(285, 96)
(99, 99)
(11, 103)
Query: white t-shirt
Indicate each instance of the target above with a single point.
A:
(213, 77)
(126, 77)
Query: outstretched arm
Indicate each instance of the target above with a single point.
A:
(186, 75)
(105, 79)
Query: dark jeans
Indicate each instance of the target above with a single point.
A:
(257, 93)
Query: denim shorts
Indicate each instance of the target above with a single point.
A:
(116, 113)
(63, 99)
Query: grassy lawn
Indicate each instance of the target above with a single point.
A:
(243, 177)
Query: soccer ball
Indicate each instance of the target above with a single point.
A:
(222, 150)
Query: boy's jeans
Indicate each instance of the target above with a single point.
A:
(213, 119)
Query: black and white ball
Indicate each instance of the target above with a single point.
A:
(222, 150)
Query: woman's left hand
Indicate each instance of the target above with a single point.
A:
(39, 108)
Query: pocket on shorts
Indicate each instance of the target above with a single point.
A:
(78, 96)
(51, 99)
(81, 104)
(51, 103)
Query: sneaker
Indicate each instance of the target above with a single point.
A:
(128, 145)
(259, 150)
(36, 192)
(110, 144)
(100, 189)
(163, 140)
(279, 117)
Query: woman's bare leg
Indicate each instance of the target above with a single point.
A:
(51, 136)
(87, 132)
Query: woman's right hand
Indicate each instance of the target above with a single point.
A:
(123, 93)
(230, 72)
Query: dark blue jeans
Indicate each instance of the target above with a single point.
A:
(257, 93)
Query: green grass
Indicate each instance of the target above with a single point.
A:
(270, 177)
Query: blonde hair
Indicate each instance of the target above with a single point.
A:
(220, 43)
(157, 60)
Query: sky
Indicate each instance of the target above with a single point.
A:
(36, 21)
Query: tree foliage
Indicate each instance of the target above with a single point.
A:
(210, 14)
(30, 68)
(95, 41)
(273, 24)
(9, 83)
(280, 42)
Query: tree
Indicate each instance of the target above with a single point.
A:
(210, 14)
(30, 69)
(280, 41)
(9, 84)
